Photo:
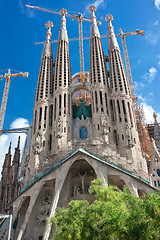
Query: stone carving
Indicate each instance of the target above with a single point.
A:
(41, 218)
(77, 190)
(130, 141)
(104, 125)
(38, 144)
(80, 188)
(46, 199)
(103, 121)
(59, 128)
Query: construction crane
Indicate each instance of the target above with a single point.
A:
(80, 18)
(16, 130)
(125, 53)
(7, 76)
(126, 58)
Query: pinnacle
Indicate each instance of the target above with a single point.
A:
(92, 8)
(49, 24)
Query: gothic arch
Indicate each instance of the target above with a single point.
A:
(77, 182)
(18, 221)
(115, 180)
(40, 211)
(141, 193)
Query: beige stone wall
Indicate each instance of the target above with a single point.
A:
(69, 181)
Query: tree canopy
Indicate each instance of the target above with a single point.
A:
(115, 214)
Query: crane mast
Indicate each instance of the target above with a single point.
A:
(5, 93)
(81, 54)
(127, 63)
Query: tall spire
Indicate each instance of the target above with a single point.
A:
(94, 28)
(7, 161)
(5, 181)
(98, 77)
(118, 79)
(125, 134)
(45, 78)
(47, 51)
(62, 74)
(112, 43)
(16, 157)
(62, 107)
(43, 98)
(63, 31)
(15, 170)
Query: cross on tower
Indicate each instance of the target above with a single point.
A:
(109, 17)
(63, 12)
(49, 24)
(92, 8)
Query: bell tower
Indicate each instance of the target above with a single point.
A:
(43, 98)
(61, 107)
(124, 129)
(99, 81)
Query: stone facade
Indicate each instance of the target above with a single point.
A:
(74, 140)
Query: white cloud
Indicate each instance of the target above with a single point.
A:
(152, 37)
(155, 23)
(150, 76)
(148, 113)
(148, 110)
(12, 137)
(138, 85)
(151, 94)
(141, 98)
(97, 3)
(27, 11)
(157, 4)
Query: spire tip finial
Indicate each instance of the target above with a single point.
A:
(155, 115)
(92, 8)
(109, 17)
(49, 24)
(63, 12)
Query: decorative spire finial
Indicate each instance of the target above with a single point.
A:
(48, 25)
(92, 9)
(109, 17)
(63, 31)
(155, 115)
(112, 44)
(63, 12)
(94, 28)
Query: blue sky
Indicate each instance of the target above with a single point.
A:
(22, 27)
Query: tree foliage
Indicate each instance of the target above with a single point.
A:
(115, 214)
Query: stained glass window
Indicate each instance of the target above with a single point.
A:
(83, 133)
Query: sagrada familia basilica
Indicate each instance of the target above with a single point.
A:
(74, 140)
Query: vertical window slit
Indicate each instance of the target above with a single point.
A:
(35, 120)
(55, 103)
(40, 117)
(50, 115)
(60, 103)
(45, 116)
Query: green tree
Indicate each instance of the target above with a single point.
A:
(115, 214)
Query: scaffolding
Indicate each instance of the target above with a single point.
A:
(143, 133)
